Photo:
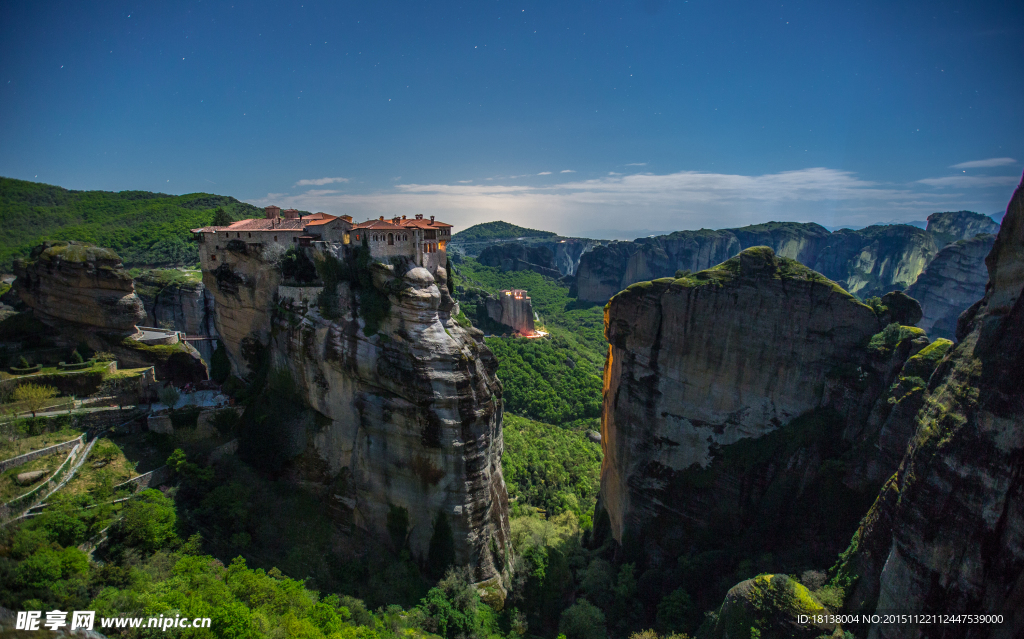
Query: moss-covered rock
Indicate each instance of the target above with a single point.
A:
(767, 607)
(79, 283)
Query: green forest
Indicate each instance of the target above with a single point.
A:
(144, 228)
(497, 231)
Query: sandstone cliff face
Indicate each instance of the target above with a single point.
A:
(244, 288)
(513, 311)
(868, 262)
(183, 306)
(877, 259)
(947, 531)
(566, 251)
(700, 364)
(953, 281)
(79, 283)
(800, 242)
(514, 256)
(406, 420)
(961, 225)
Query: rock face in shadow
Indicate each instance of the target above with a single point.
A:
(514, 256)
(79, 283)
(398, 424)
(947, 530)
(723, 387)
(184, 306)
(953, 281)
(961, 225)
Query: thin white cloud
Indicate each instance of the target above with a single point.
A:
(466, 181)
(971, 181)
(637, 164)
(984, 164)
(682, 200)
(567, 171)
(321, 181)
(544, 173)
(319, 192)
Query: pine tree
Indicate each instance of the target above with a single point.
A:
(222, 217)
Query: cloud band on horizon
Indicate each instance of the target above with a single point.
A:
(681, 200)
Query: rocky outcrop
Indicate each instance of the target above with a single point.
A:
(947, 530)
(877, 259)
(961, 225)
(175, 300)
(514, 309)
(566, 251)
(867, 262)
(802, 242)
(953, 281)
(608, 269)
(758, 349)
(514, 256)
(79, 283)
(773, 605)
(397, 419)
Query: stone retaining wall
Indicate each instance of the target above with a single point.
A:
(148, 480)
(36, 454)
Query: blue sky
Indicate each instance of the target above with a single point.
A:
(569, 116)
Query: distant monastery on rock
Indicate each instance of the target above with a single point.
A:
(422, 241)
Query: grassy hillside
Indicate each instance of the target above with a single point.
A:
(497, 231)
(144, 228)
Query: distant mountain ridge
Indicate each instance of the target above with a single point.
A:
(867, 262)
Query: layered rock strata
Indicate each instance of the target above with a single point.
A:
(947, 530)
(953, 281)
(79, 283)
(408, 417)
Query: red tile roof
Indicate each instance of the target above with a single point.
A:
(423, 224)
(317, 222)
(378, 225)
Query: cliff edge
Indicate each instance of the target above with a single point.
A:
(700, 366)
(947, 531)
(375, 398)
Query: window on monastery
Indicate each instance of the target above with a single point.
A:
(391, 239)
(275, 238)
(213, 258)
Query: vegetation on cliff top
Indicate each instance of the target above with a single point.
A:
(497, 231)
(144, 228)
(781, 268)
